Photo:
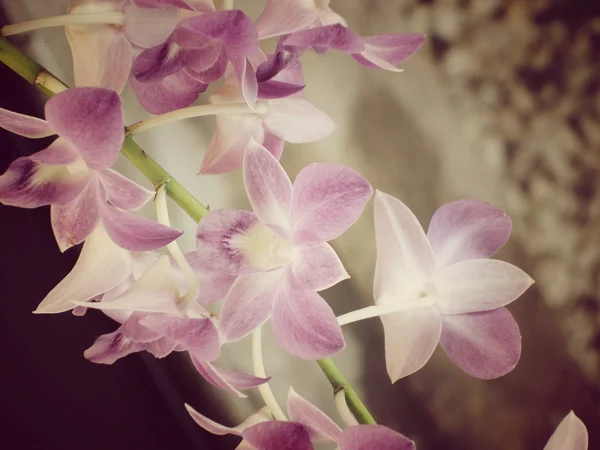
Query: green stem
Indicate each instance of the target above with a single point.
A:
(37, 75)
(338, 382)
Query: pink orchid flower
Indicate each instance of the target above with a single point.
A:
(154, 318)
(446, 288)
(196, 54)
(288, 117)
(73, 174)
(102, 53)
(307, 424)
(279, 253)
(571, 434)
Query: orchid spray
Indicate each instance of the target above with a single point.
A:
(249, 266)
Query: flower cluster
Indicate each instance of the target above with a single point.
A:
(268, 263)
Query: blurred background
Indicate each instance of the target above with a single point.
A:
(502, 104)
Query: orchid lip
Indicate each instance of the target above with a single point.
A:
(263, 249)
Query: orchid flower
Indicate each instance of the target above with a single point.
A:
(73, 173)
(308, 423)
(571, 434)
(279, 253)
(287, 117)
(172, 75)
(440, 286)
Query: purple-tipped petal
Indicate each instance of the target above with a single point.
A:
(147, 27)
(320, 426)
(158, 62)
(479, 285)
(101, 266)
(485, 345)
(368, 437)
(386, 51)
(326, 200)
(122, 192)
(296, 120)
(134, 232)
(277, 89)
(303, 323)
(216, 238)
(467, 229)
(156, 291)
(228, 380)
(73, 222)
(336, 37)
(405, 261)
(231, 28)
(173, 92)
(230, 139)
(268, 187)
(196, 335)
(248, 304)
(29, 184)
(92, 120)
(284, 17)
(23, 125)
(214, 72)
(318, 266)
(102, 56)
(275, 435)
(221, 430)
(571, 434)
(410, 339)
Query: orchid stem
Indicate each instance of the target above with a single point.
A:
(195, 111)
(32, 71)
(162, 214)
(383, 310)
(109, 18)
(259, 371)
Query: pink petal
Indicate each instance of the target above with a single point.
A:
(276, 89)
(386, 51)
(214, 72)
(227, 380)
(367, 437)
(216, 237)
(134, 232)
(337, 37)
(303, 323)
(23, 125)
(147, 27)
(221, 430)
(29, 184)
(275, 435)
(268, 187)
(196, 335)
(230, 139)
(410, 339)
(274, 144)
(467, 229)
(122, 192)
(177, 3)
(248, 304)
(214, 284)
(479, 285)
(320, 426)
(173, 92)
(156, 63)
(296, 120)
(92, 120)
(101, 56)
(156, 291)
(101, 266)
(318, 266)
(326, 200)
(571, 434)
(246, 78)
(284, 17)
(73, 222)
(486, 344)
(60, 152)
(405, 261)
